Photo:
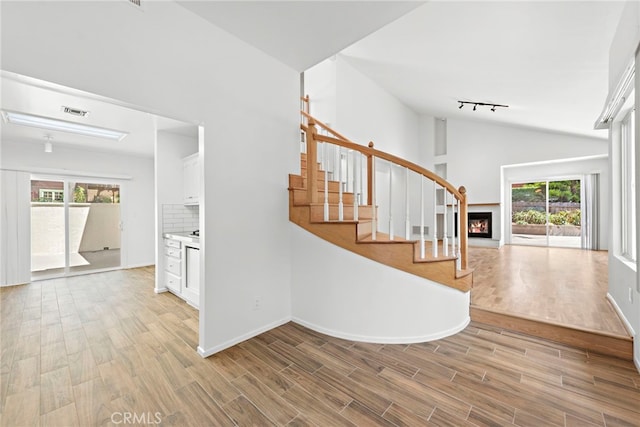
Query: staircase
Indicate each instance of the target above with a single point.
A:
(337, 189)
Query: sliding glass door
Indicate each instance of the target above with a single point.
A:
(546, 213)
(75, 226)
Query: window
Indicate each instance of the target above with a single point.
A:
(628, 174)
(47, 195)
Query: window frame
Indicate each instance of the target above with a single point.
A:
(628, 214)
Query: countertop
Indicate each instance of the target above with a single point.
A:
(186, 237)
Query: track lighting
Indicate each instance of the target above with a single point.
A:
(482, 104)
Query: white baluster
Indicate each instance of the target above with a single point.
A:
(390, 201)
(374, 225)
(407, 223)
(340, 204)
(459, 255)
(435, 221)
(422, 242)
(326, 181)
(445, 242)
(362, 181)
(356, 174)
(453, 231)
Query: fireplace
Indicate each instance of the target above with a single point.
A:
(479, 224)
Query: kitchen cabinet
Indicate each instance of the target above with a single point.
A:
(191, 179)
(182, 266)
(173, 265)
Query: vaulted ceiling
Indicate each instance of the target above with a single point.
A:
(547, 60)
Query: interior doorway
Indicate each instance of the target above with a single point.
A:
(75, 226)
(547, 213)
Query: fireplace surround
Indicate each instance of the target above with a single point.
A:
(479, 225)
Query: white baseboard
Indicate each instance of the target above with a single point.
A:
(624, 320)
(160, 290)
(230, 343)
(139, 266)
(384, 340)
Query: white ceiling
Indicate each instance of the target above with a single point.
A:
(547, 60)
(26, 95)
(300, 33)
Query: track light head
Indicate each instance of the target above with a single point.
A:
(475, 106)
(493, 108)
(461, 105)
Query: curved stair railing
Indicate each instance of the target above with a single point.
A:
(343, 181)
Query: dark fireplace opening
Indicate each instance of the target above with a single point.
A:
(479, 224)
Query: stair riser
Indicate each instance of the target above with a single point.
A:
(300, 197)
(398, 255)
(296, 181)
(317, 213)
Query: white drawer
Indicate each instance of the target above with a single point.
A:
(172, 252)
(173, 265)
(172, 282)
(173, 243)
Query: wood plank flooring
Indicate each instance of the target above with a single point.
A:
(103, 349)
(558, 285)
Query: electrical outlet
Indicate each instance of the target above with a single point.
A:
(257, 301)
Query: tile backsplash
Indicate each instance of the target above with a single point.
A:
(180, 218)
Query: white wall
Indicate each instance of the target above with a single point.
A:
(352, 297)
(169, 61)
(476, 151)
(136, 190)
(569, 169)
(360, 109)
(170, 149)
(624, 287)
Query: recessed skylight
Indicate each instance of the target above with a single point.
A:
(62, 126)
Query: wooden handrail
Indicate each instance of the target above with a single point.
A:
(325, 127)
(340, 140)
(370, 151)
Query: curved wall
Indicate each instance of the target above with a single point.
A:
(342, 294)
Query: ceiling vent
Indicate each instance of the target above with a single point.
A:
(136, 2)
(74, 111)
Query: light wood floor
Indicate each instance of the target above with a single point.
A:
(559, 285)
(89, 350)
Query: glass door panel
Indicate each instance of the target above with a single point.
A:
(94, 226)
(546, 213)
(529, 214)
(48, 230)
(75, 227)
(564, 214)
